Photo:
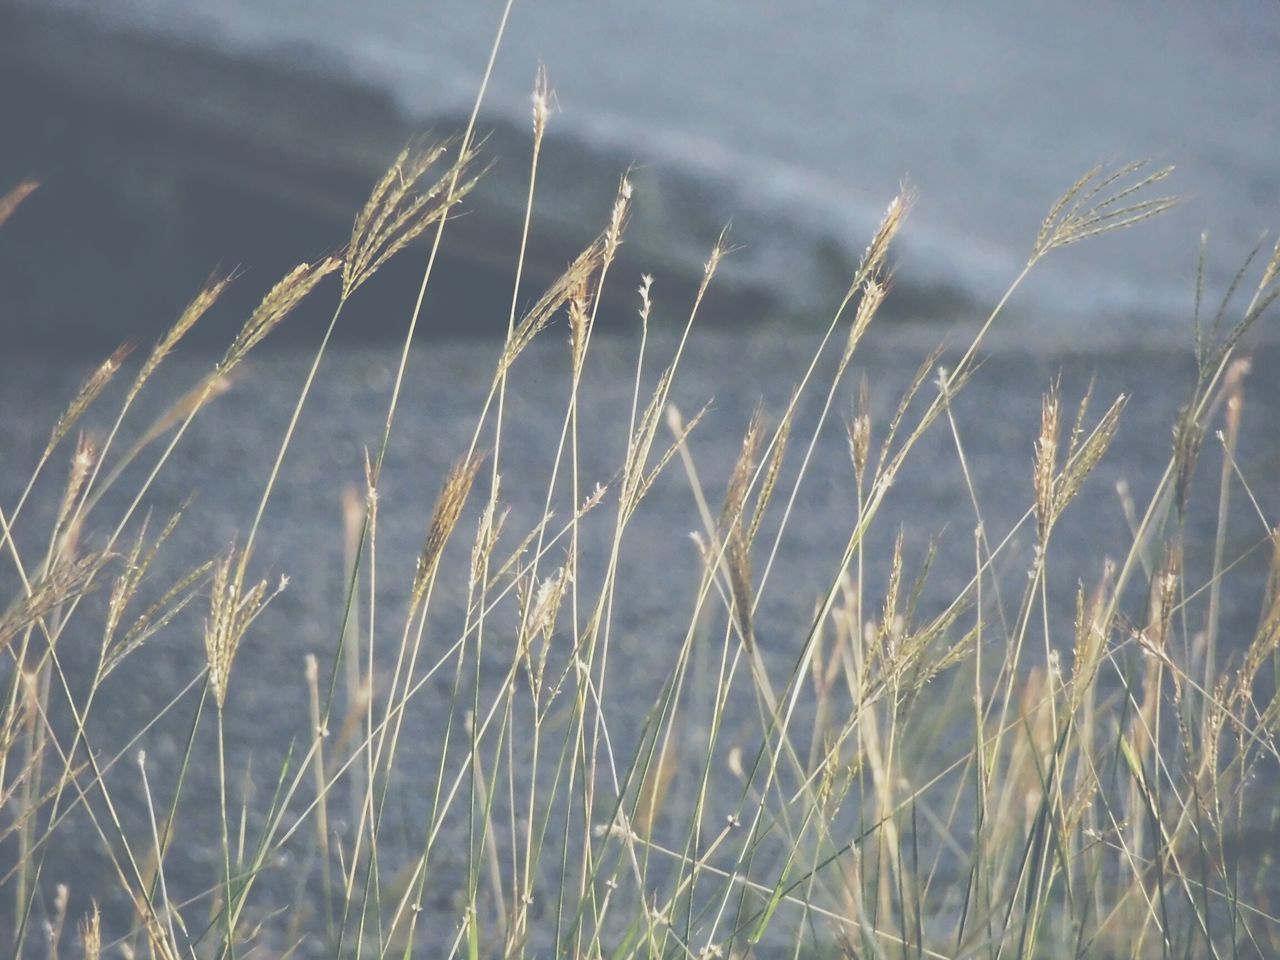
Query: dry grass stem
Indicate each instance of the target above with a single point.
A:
(590, 744)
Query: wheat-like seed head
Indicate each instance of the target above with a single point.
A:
(878, 249)
(617, 220)
(1089, 453)
(860, 431)
(1266, 639)
(488, 531)
(873, 294)
(231, 611)
(733, 530)
(125, 584)
(280, 301)
(646, 298)
(579, 324)
(137, 562)
(743, 469)
(542, 96)
(718, 251)
(91, 934)
(1164, 599)
(1093, 206)
(641, 481)
(386, 197)
(196, 309)
(1093, 627)
(769, 483)
(156, 616)
(539, 609)
(65, 582)
(444, 517)
(11, 200)
(87, 394)
(890, 626)
(574, 279)
(887, 465)
(1044, 474)
(397, 213)
(81, 464)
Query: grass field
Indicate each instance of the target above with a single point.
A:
(980, 777)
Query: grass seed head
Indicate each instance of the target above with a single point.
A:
(91, 933)
(569, 283)
(579, 323)
(444, 517)
(87, 394)
(860, 432)
(542, 96)
(65, 582)
(877, 250)
(617, 220)
(873, 294)
(279, 302)
(1094, 205)
(1044, 476)
(194, 310)
(81, 465)
(398, 212)
(231, 611)
(733, 528)
(13, 199)
(1089, 453)
(773, 470)
(646, 298)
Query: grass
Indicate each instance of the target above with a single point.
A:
(976, 776)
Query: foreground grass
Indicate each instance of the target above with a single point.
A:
(1090, 793)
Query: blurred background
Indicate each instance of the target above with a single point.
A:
(173, 137)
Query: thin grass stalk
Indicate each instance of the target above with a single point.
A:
(275, 307)
(631, 490)
(195, 310)
(541, 110)
(1233, 390)
(376, 472)
(952, 382)
(274, 474)
(100, 671)
(159, 849)
(584, 327)
(319, 733)
(418, 685)
(133, 879)
(872, 294)
(85, 397)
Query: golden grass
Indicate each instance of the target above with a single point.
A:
(966, 778)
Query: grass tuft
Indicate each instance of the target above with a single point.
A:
(904, 768)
